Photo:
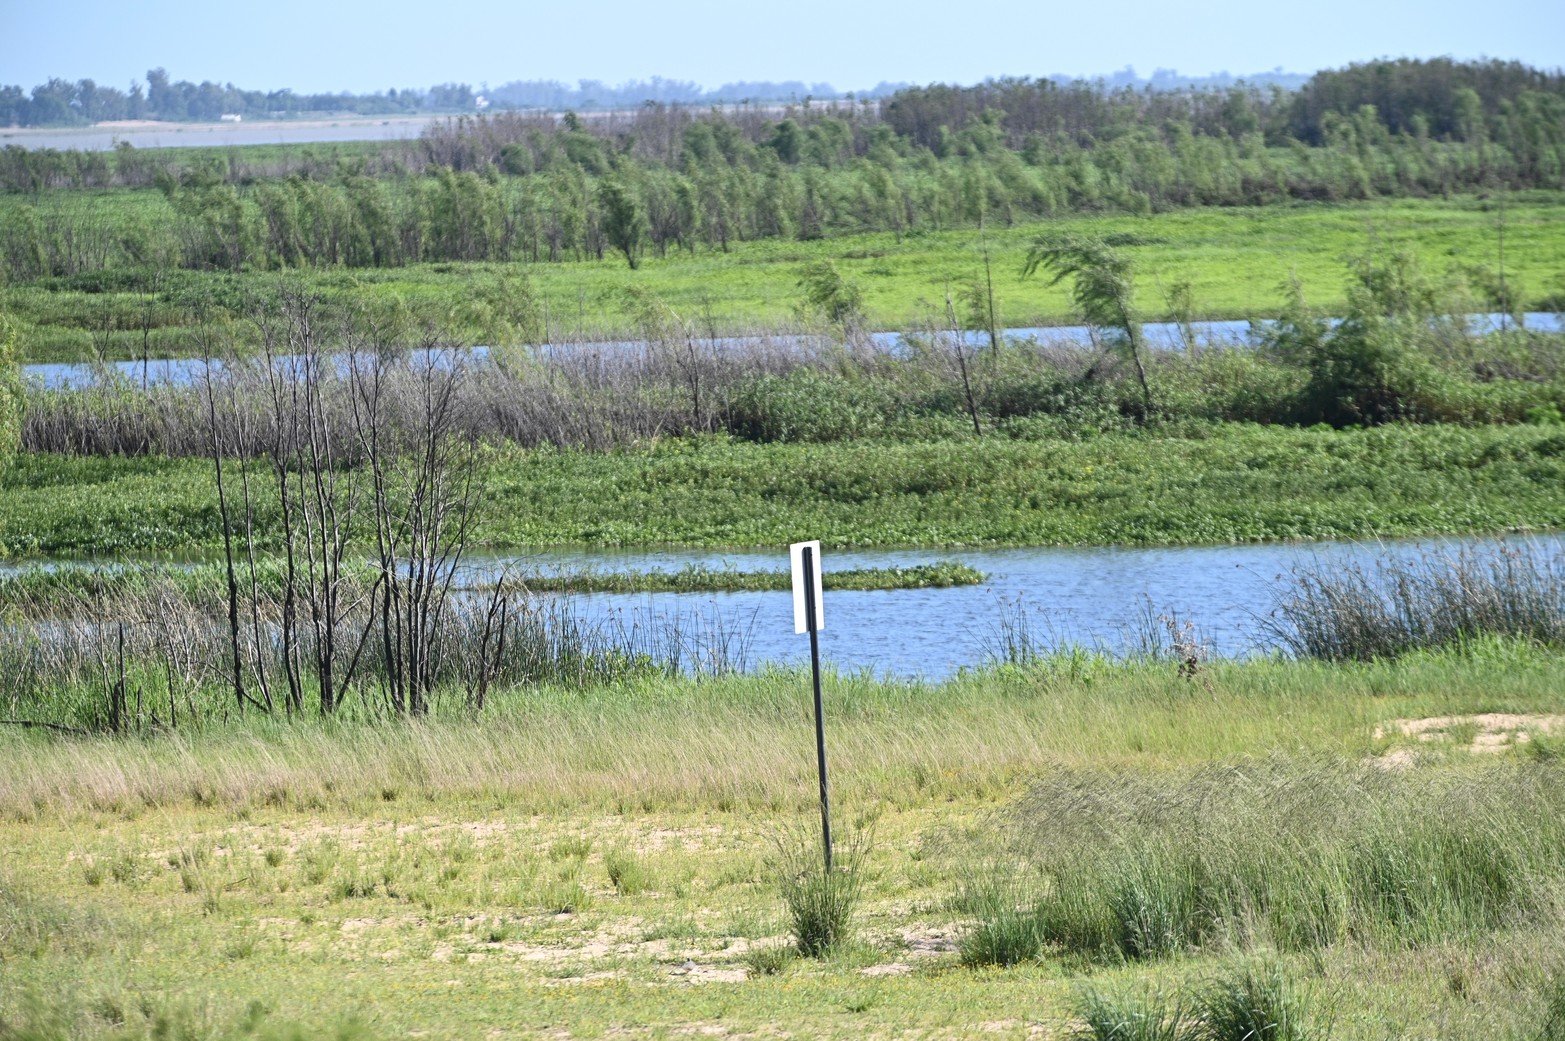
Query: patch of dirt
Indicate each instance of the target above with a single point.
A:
(923, 941)
(895, 968)
(692, 972)
(1492, 731)
(586, 977)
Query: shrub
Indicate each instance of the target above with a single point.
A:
(829, 295)
(807, 405)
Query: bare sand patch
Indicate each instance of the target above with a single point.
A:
(894, 968)
(1489, 731)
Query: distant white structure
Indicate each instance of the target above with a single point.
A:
(230, 117)
(480, 102)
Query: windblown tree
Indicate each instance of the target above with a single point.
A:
(829, 295)
(1102, 290)
(623, 224)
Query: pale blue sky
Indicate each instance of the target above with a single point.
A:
(315, 45)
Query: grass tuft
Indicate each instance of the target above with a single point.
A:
(1253, 1003)
(819, 903)
(627, 872)
(1153, 1016)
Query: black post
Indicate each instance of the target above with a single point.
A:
(815, 671)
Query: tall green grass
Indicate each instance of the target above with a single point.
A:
(820, 902)
(1248, 1002)
(1278, 853)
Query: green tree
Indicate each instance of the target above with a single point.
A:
(1102, 290)
(828, 294)
(623, 223)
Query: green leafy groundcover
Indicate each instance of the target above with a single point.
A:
(46, 587)
(1224, 483)
(941, 573)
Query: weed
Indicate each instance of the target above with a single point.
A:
(770, 960)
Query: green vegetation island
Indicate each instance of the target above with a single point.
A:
(296, 741)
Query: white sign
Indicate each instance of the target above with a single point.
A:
(796, 555)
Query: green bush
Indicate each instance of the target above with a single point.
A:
(808, 405)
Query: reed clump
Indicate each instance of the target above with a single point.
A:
(1444, 598)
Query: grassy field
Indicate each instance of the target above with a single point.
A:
(602, 866)
(1225, 483)
(1235, 260)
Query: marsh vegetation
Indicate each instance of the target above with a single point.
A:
(341, 775)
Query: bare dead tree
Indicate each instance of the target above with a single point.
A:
(218, 453)
(959, 351)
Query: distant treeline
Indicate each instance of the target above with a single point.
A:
(1439, 98)
(533, 187)
(61, 102)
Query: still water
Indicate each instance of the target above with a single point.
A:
(151, 134)
(1094, 597)
(1100, 598)
(1162, 335)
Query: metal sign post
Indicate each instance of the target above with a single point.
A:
(807, 617)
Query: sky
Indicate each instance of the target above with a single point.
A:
(328, 45)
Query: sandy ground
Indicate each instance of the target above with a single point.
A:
(1487, 732)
